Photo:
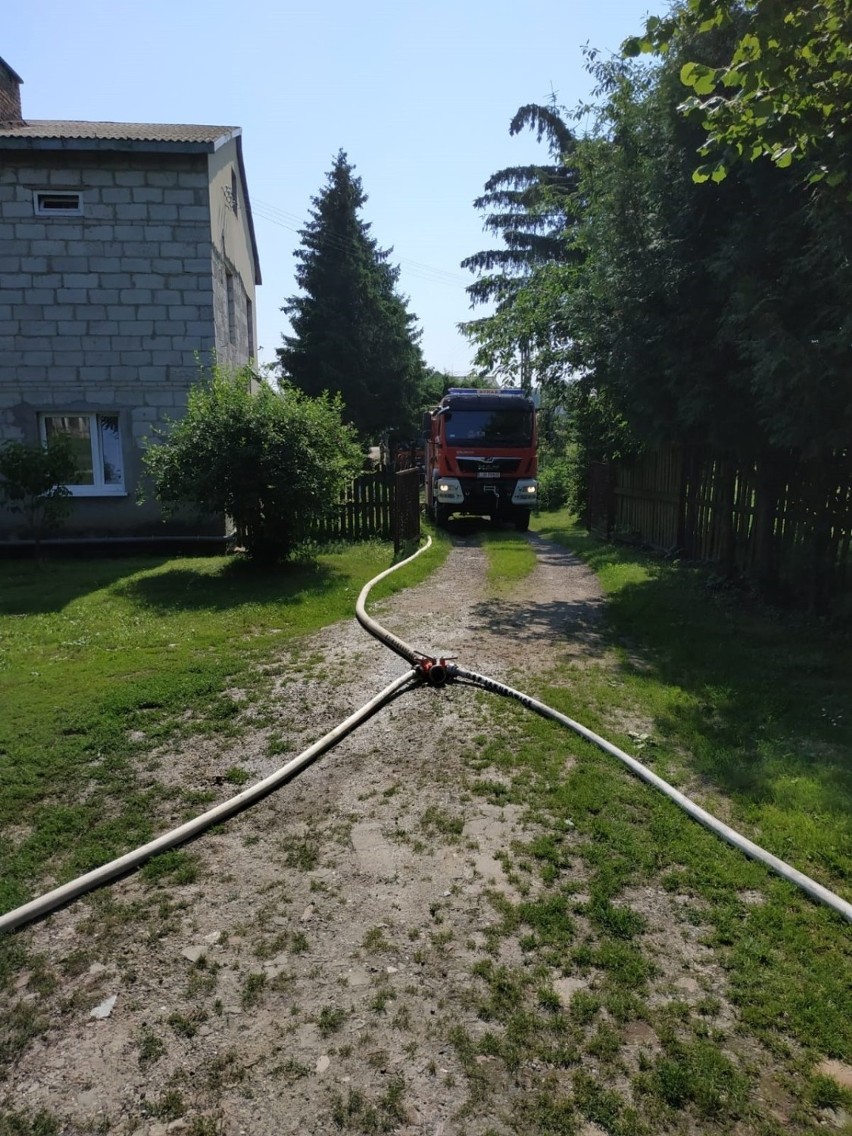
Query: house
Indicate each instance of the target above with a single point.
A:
(127, 255)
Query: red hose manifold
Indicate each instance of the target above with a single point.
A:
(433, 671)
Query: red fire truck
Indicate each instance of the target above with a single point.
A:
(481, 455)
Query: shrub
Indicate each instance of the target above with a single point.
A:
(272, 461)
(33, 482)
(555, 482)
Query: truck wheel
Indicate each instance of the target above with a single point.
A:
(522, 522)
(442, 515)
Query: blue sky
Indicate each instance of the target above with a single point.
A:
(419, 96)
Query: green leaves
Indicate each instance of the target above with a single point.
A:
(783, 91)
(352, 334)
(33, 481)
(270, 460)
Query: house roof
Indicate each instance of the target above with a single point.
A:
(38, 133)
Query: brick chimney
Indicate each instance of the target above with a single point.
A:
(10, 95)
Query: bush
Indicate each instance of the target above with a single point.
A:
(273, 461)
(33, 482)
(555, 482)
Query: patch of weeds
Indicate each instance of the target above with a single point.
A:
(584, 1007)
(375, 940)
(23, 1023)
(204, 1126)
(301, 854)
(605, 1044)
(824, 1092)
(174, 866)
(700, 1075)
(545, 1111)
(202, 978)
(236, 775)
(441, 938)
(606, 1108)
(620, 922)
(277, 746)
(548, 999)
(505, 990)
(291, 1070)
(550, 919)
(267, 948)
(185, 1026)
(151, 1048)
(223, 1070)
(382, 997)
(254, 987)
(170, 1105)
(373, 1118)
(402, 1019)
(330, 1019)
(299, 944)
(441, 820)
(26, 1123)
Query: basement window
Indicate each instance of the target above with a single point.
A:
(58, 203)
(96, 446)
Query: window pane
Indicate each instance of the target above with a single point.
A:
(111, 449)
(77, 429)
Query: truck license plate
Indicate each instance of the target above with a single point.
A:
(488, 475)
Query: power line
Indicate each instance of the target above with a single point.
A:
(290, 221)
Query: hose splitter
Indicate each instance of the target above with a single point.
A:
(435, 671)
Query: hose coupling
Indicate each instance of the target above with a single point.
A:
(434, 671)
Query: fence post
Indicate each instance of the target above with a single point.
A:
(405, 510)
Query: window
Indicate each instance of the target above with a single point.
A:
(250, 323)
(234, 189)
(57, 203)
(96, 445)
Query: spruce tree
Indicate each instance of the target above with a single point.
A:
(530, 209)
(352, 334)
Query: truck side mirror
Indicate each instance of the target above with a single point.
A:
(426, 424)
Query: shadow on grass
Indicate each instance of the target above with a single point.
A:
(767, 712)
(239, 582)
(33, 587)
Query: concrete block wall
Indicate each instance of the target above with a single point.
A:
(109, 311)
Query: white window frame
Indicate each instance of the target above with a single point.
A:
(100, 487)
(73, 196)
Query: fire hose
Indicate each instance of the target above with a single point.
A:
(424, 669)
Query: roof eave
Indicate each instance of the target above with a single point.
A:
(241, 166)
(123, 145)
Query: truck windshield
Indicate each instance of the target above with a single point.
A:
(509, 428)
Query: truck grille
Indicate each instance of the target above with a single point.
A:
(490, 465)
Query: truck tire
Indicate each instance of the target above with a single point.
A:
(522, 521)
(442, 515)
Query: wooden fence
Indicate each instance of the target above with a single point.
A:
(374, 505)
(781, 520)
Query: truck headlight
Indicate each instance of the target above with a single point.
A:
(525, 492)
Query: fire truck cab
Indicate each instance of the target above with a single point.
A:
(480, 455)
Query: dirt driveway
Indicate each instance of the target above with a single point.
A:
(308, 967)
